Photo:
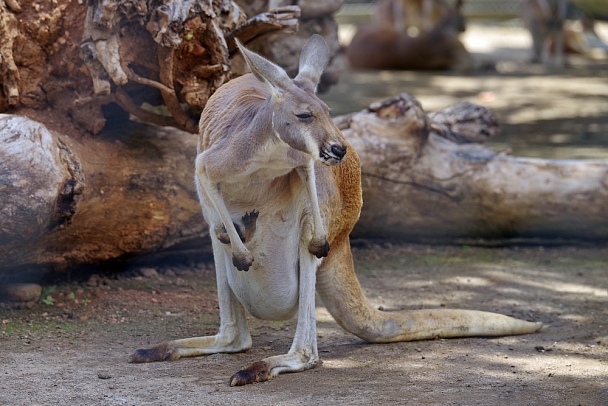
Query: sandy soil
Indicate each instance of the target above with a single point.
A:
(74, 350)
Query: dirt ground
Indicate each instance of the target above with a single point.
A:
(75, 351)
(72, 348)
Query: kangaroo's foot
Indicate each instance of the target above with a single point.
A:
(249, 221)
(193, 347)
(159, 352)
(254, 373)
(270, 367)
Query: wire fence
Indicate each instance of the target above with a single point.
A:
(471, 8)
(485, 9)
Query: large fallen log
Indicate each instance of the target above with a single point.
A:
(425, 178)
(428, 178)
(70, 202)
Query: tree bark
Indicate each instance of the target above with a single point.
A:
(159, 60)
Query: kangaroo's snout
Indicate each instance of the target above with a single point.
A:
(333, 155)
(338, 150)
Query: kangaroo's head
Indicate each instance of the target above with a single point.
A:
(299, 117)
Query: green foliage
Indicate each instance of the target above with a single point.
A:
(45, 295)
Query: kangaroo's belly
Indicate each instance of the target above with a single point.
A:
(269, 289)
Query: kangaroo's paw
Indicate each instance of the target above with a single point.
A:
(319, 247)
(250, 220)
(256, 372)
(160, 352)
(242, 261)
(222, 234)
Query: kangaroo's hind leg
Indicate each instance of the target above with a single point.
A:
(233, 335)
(303, 353)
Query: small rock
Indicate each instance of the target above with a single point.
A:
(104, 375)
(23, 292)
(93, 280)
(148, 272)
(169, 273)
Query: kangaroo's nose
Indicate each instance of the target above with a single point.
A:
(338, 150)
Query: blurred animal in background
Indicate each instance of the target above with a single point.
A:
(558, 28)
(417, 16)
(411, 34)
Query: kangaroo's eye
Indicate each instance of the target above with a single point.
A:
(304, 116)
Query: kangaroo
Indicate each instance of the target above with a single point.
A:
(411, 34)
(416, 16)
(545, 20)
(272, 164)
(558, 28)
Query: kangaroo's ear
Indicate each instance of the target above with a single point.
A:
(265, 71)
(313, 60)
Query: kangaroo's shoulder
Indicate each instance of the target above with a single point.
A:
(234, 104)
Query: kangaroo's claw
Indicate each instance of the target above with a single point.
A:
(256, 372)
(160, 352)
